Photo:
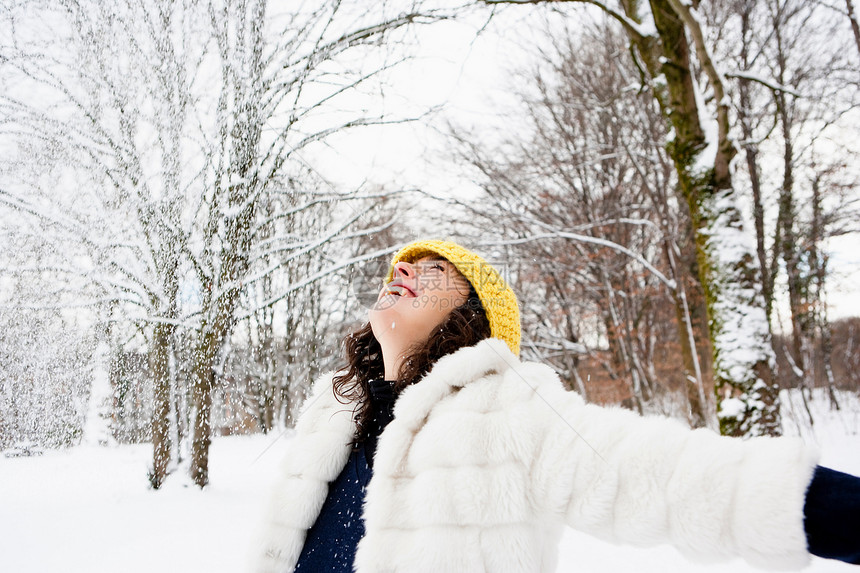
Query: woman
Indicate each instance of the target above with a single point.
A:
(437, 449)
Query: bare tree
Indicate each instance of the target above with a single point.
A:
(668, 43)
(276, 84)
(788, 98)
(188, 116)
(107, 122)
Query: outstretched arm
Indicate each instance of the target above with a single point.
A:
(645, 481)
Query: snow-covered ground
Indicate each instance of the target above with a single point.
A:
(89, 509)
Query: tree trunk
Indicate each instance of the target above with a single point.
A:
(236, 183)
(855, 28)
(159, 367)
(751, 156)
(788, 248)
(818, 268)
(202, 382)
(750, 148)
(692, 323)
(800, 300)
(747, 399)
(619, 350)
(217, 326)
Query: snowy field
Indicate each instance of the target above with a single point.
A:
(89, 510)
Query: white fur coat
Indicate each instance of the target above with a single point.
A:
(488, 457)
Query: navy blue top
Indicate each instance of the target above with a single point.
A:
(331, 543)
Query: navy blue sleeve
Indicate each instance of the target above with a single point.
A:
(832, 515)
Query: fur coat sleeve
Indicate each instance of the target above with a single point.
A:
(487, 458)
(649, 480)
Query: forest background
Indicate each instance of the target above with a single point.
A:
(198, 200)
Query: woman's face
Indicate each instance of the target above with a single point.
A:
(419, 298)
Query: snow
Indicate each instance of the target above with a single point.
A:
(741, 323)
(732, 408)
(707, 157)
(88, 509)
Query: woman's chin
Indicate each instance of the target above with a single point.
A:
(382, 318)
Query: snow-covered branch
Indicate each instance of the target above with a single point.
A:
(769, 84)
(633, 27)
(555, 234)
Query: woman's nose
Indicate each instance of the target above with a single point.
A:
(403, 269)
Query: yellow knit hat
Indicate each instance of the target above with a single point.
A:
(499, 301)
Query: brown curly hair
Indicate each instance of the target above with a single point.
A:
(466, 325)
